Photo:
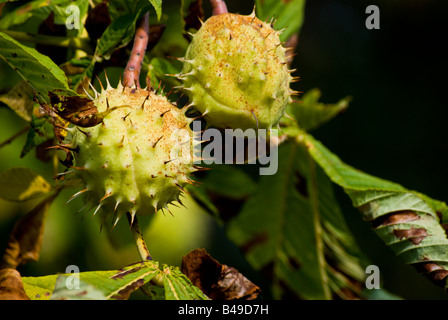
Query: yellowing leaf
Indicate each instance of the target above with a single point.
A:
(21, 184)
(39, 288)
(20, 100)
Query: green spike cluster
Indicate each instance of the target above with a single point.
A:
(138, 159)
(235, 72)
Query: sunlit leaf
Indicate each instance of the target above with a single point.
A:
(114, 284)
(26, 11)
(82, 290)
(39, 288)
(36, 69)
(178, 286)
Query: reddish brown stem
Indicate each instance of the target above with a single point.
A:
(291, 46)
(132, 72)
(219, 7)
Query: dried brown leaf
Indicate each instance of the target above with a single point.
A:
(98, 20)
(11, 287)
(78, 110)
(217, 281)
(25, 240)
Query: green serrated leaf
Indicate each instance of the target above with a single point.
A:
(22, 184)
(112, 284)
(408, 222)
(39, 288)
(41, 131)
(343, 174)
(288, 224)
(309, 113)
(118, 34)
(26, 11)
(178, 287)
(36, 69)
(154, 292)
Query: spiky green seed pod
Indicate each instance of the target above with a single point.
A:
(235, 72)
(138, 159)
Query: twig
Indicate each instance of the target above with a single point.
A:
(219, 7)
(132, 72)
(138, 238)
(291, 46)
(16, 135)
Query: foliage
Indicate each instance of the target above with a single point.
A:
(289, 226)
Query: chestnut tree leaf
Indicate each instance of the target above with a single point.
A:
(38, 70)
(292, 229)
(412, 224)
(310, 114)
(288, 14)
(20, 100)
(113, 284)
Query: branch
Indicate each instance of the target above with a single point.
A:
(132, 72)
(219, 7)
(291, 46)
(16, 135)
(138, 238)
